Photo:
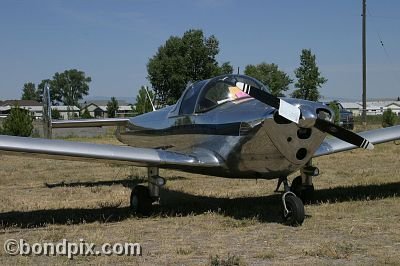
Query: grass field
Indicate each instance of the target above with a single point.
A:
(205, 220)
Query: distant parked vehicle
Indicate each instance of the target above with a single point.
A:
(346, 119)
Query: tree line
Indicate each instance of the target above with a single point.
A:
(179, 61)
(192, 57)
(66, 88)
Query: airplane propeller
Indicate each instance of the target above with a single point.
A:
(293, 113)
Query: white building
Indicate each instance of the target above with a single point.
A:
(36, 109)
(98, 109)
(373, 107)
(355, 108)
(125, 111)
(395, 106)
(67, 112)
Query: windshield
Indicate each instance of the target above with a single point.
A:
(223, 89)
(189, 100)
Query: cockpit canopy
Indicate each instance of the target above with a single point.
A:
(207, 94)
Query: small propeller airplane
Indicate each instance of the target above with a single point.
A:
(228, 126)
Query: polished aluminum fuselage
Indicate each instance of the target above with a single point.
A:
(245, 135)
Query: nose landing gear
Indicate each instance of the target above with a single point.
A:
(293, 207)
(303, 185)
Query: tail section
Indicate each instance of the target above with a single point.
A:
(47, 128)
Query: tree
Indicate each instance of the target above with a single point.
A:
(29, 92)
(269, 74)
(86, 114)
(112, 107)
(181, 60)
(18, 123)
(389, 118)
(67, 87)
(143, 104)
(309, 77)
(70, 86)
(55, 114)
(225, 68)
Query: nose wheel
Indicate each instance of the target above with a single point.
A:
(293, 209)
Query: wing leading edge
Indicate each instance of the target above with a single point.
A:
(68, 150)
(376, 136)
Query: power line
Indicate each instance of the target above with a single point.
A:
(381, 41)
(382, 17)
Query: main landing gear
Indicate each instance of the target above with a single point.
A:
(142, 197)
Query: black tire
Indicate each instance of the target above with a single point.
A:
(296, 186)
(141, 202)
(295, 207)
(304, 192)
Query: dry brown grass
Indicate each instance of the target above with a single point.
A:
(354, 218)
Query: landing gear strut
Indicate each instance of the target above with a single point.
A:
(293, 208)
(302, 185)
(142, 198)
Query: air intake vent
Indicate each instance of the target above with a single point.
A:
(244, 129)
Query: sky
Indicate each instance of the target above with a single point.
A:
(112, 41)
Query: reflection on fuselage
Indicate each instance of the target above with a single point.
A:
(243, 134)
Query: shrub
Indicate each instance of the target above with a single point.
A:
(86, 114)
(18, 123)
(112, 107)
(232, 260)
(335, 108)
(389, 118)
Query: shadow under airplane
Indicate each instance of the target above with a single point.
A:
(176, 203)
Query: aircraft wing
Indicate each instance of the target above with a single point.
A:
(334, 145)
(68, 150)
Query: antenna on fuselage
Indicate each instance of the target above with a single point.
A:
(148, 95)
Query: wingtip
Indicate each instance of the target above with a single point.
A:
(370, 146)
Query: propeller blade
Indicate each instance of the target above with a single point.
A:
(343, 134)
(285, 109)
(293, 114)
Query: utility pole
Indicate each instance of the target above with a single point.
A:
(47, 131)
(364, 67)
